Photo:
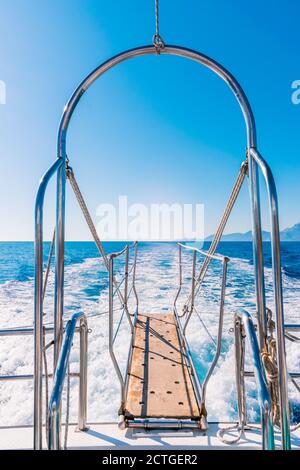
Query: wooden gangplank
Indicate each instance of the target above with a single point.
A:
(159, 382)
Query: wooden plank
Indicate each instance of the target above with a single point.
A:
(159, 384)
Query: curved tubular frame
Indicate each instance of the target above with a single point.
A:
(253, 179)
(59, 378)
(238, 92)
(261, 381)
(38, 302)
(151, 50)
(125, 296)
(277, 288)
(220, 333)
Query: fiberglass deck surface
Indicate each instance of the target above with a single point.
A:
(159, 384)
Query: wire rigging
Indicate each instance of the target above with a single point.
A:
(158, 41)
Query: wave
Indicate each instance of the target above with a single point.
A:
(86, 290)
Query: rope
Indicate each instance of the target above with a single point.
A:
(204, 326)
(271, 369)
(48, 265)
(77, 192)
(119, 324)
(297, 426)
(156, 18)
(236, 427)
(158, 41)
(241, 432)
(270, 363)
(51, 325)
(89, 221)
(87, 216)
(241, 425)
(218, 235)
(269, 360)
(46, 383)
(67, 409)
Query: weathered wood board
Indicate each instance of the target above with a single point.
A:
(159, 384)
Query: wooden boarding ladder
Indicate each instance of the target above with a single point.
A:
(161, 387)
(160, 381)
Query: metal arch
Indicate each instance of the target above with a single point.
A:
(151, 50)
(62, 154)
(254, 162)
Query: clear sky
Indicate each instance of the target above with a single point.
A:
(157, 129)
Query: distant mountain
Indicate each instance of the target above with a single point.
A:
(291, 234)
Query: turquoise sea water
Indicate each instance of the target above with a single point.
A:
(157, 282)
(17, 258)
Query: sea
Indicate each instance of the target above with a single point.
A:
(157, 276)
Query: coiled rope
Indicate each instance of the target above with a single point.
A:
(271, 369)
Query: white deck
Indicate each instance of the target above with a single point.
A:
(110, 437)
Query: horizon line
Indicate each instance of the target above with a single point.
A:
(149, 241)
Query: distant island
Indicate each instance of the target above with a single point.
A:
(291, 234)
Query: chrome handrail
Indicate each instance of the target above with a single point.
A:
(225, 260)
(220, 332)
(215, 256)
(27, 331)
(277, 286)
(207, 254)
(113, 284)
(121, 252)
(54, 424)
(187, 356)
(292, 327)
(261, 381)
(117, 254)
(38, 303)
(206, 61)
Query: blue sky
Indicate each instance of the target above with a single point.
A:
(158, 129)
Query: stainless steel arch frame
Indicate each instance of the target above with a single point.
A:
(53, 423)
(260, 376)
(278, 297)
(38, 303)
(151, 50)
(251, 143)
(254, 163)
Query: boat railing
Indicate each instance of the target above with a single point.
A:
(256, 160)
(39, 331)
(244, 328)
(68, 330)
(249, 167)
(62, 370)
(39, 291)
(129, 288)
(26, 331)
(189, 307)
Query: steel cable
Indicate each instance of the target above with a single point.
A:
(158, 41)
(218, 235)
